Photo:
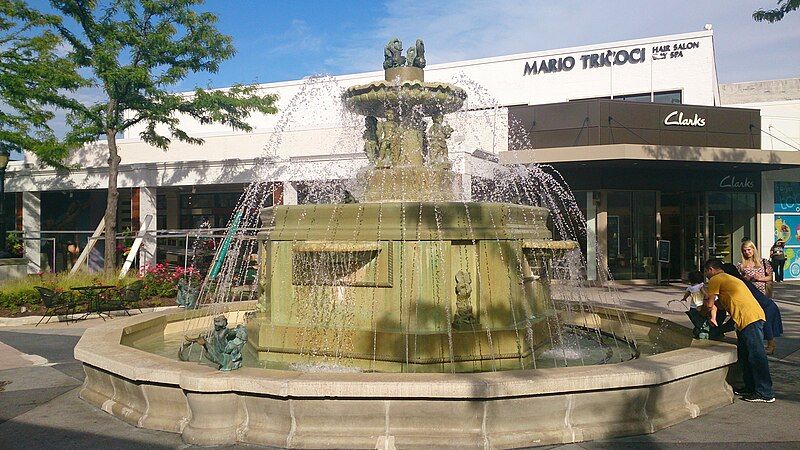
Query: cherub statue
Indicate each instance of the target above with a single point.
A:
(464, 315)
(393, 54)
(220, 345)
(411, 55)
(232, 353)
(438, 133)
(387, 141)
(419, 55)
(371, 138)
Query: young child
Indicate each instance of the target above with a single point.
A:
(697, 290)
(696, 294)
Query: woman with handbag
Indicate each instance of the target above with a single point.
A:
(758, 272)
(755, 269)
(773, 326)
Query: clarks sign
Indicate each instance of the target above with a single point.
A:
(676, 118)
(732, 182)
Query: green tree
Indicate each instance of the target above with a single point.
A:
(34, 81)
(136, 51)
(774, 15)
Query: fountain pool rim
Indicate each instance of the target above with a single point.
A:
(506, 409)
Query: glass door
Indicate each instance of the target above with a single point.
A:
(692, 232)
(732, 219)
(672, 231)
(631, 234)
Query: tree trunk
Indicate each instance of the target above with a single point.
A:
(110, 263)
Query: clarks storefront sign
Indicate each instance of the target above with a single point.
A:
(676, 118)
(736, 182)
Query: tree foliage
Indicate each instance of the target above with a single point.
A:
(34, 81)
(137, 52)
(774, 15)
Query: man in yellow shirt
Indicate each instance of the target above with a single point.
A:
(749, 318)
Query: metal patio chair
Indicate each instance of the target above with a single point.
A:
(130, 295)
(55, 303)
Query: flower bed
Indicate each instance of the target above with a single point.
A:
(19, 298)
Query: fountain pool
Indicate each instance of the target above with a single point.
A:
(408, 317)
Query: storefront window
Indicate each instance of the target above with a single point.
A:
(215, 208)
(631, 234)
(672, 97)
(787, 225)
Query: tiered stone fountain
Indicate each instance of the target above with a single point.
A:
(413, 263)
(410, 280)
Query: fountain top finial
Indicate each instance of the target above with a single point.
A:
(404, 68)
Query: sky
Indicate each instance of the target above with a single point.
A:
(289, 40)
(279, 40)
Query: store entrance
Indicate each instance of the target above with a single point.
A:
(702, 225)
(672, 230)
(631, 232)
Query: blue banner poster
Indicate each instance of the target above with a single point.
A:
(791, 269)
(787, 229)
(787, 197)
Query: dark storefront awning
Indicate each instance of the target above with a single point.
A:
(625, 155)
(637, 166)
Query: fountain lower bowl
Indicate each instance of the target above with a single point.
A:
(510, 409)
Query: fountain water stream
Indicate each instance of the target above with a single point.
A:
(416, 277)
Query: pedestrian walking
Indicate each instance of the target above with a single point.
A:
(777, 259)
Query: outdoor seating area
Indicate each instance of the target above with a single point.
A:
(89, 300)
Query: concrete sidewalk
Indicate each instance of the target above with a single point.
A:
(39, 381)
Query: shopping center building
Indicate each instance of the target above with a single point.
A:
(653, 146)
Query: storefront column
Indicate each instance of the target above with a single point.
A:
(147, 207)
(31, 230)
(289, 193)
(591, 237)
(602, 238)
(659, 275)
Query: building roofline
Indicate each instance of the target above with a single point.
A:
(503, 58)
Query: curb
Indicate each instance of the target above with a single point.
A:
(32, 320)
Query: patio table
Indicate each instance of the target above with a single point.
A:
(94, 303)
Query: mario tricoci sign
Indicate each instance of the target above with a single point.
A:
(608, 58)
(605, 58)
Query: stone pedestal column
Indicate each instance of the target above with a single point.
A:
(31, 228)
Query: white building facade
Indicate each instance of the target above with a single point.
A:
(312, 139)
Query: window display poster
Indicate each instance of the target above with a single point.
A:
(787, 225)
(787, 229)
(791, 269)
(787, 197)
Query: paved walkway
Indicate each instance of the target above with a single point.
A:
(39, 405)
